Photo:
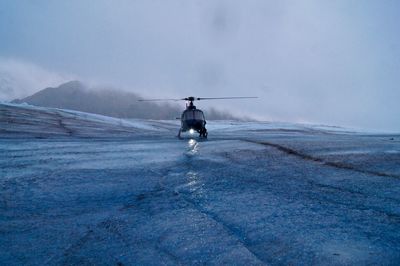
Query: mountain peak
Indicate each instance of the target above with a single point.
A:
(75, 95)
(71, 86)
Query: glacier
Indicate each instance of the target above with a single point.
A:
(85, 189)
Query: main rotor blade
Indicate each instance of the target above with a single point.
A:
(155, 100)
(222, 98)
(196, 99)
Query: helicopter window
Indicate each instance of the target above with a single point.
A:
(198, 115)
(188, 115)
(193, 114)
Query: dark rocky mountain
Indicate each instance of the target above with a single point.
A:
(74, 95)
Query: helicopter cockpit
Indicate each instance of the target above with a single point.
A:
(193, 114)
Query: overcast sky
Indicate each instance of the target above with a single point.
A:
(330, 62)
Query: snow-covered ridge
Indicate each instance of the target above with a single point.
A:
(24, 119)
(27, 120)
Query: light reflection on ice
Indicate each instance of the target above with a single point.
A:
(193, 147)
(192, 184)
(193, 180)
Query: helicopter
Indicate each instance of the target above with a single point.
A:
(193, 119)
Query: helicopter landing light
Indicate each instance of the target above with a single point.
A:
(191, 131)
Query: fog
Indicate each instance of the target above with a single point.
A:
(329, 62)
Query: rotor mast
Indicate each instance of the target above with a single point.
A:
(189, 103)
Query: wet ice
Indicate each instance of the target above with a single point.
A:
(99, 191)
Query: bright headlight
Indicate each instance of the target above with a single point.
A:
(191, 131)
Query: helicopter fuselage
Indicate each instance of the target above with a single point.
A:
(193, 119)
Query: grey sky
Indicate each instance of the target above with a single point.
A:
(331, 62)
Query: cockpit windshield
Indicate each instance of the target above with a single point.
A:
(193, 114)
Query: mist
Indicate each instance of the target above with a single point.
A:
(20, 79)
(328, 62)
